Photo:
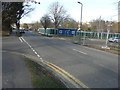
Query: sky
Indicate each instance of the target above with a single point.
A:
(92, 9)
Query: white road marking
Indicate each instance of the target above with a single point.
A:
(79, 51)
(93, 49)
(41, 58)
(76, 80)
(26, 42)
(38, 55)
(31, 48)
(23, 39)
(35, 52)
(20, 39)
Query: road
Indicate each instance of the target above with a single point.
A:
(95, 68)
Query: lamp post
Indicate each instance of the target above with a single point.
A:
(109, 25)
(81, 15)
(119, 11)
(81, 21)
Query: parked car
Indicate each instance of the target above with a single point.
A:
(22, 31)
(114, 39)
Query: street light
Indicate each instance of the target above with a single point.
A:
(81, 21)
(109, 25)
(81, 15)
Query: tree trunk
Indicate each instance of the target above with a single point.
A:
(18, 24)
(45, 31)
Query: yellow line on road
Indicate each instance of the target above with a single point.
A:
(66, 74)
(59, 70)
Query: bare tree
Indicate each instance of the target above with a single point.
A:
(45, 21)
(69, 23)
(98, 25)
(35, 25)
(25, 26)
(57, 13)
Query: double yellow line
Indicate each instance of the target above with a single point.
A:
(77, 83)
(67, 75)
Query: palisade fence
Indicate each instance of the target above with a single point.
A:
(96, 35)
(48, 32)
(74, 32)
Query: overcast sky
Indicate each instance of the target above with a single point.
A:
(92, 9)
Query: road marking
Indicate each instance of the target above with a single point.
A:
(35, 52)
(31, 48)
(100, 51)
(58, 69)
(80, 51)
(41, 58)
(38, 55)
(26, 42)
(20, 39)
(65, 74)
(23, 39)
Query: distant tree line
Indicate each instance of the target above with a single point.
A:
(57, 17)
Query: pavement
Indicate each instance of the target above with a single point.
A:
(15, 73)
(94, 68)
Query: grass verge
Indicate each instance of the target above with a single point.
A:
(41, 78)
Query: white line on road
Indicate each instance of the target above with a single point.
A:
(60, 71)
(26, 42)
(38, 55)
(20, 39)
(31, 48)
(35, 52)
(41, 58)
(79, 51)
(23, 39)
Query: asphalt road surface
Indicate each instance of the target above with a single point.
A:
(15, 73)
(95, 68)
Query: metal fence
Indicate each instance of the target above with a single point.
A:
(96, 35)
(74, 32)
